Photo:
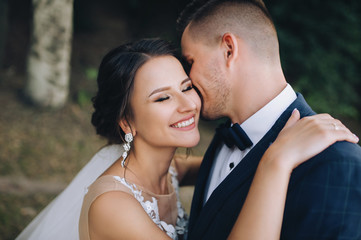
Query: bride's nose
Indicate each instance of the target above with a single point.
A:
(186, 103)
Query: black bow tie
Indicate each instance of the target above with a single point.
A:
(234, 135)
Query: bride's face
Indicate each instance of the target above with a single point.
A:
(164, 104)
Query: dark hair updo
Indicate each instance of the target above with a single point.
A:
(115, 84)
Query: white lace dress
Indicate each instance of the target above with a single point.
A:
(166, 211)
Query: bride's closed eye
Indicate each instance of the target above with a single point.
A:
(187, 88)
(161, 99)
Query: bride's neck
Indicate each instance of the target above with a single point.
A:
(150, 166)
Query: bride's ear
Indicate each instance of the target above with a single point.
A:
(125, 125)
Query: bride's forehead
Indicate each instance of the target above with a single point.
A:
(160, 70)
(161, 63)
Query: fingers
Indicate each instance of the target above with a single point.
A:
(330, 128)
(295, 116)
(341, 132)
(303, 138)
(321, 116)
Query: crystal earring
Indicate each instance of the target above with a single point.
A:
(128, 138)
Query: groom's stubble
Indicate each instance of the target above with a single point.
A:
(216, 90)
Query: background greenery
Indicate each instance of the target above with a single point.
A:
(41, 150)
(321, 51)
(320, 45)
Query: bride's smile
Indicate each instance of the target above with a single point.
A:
(165, 105)
(185, 124)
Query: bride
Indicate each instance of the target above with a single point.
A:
(146, 107)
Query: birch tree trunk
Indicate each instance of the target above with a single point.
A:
(48, 63)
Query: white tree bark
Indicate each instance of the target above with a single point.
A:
(48, 65)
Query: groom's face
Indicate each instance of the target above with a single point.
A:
(207, 72)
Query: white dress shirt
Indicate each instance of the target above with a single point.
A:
(256, 127)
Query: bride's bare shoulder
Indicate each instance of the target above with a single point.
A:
(118, 215)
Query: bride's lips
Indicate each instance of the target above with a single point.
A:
(187, 123)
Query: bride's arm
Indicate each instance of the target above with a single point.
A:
(262, 213)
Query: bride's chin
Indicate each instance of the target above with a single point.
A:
(192, 143)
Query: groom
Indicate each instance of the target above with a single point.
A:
(232, 47)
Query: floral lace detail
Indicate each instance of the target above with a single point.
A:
(182, 218)
(151, 208)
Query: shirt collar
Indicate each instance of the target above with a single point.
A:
(261, 122)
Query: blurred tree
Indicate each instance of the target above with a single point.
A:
(3, 28)
(48, 66)
(320, 44)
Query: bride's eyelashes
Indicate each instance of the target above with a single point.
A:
(190, 87)
(161, 99)
(185, 89)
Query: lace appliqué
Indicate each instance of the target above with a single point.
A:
(182, 218)
(151, 208)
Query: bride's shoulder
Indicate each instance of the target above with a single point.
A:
(112, 198)
(117, 214)
(105, 184)
(111, 194)
(110, 213)
(111, 181)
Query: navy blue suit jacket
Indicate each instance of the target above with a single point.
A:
(323, 200)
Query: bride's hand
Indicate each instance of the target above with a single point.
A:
(301, 139)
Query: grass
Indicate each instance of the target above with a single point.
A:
(17, 210)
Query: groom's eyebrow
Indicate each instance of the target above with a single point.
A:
(168, 87)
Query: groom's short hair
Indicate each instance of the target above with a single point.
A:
(248, 19)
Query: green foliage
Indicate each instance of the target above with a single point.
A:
(91, 73)
(83, 98)
(84, 95)
(320, 45)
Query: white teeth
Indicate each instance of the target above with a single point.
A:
(184, 124)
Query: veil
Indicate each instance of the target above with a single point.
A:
(59, 220)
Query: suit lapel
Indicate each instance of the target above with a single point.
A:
(238, 177)
(201, 217)
(205, 168)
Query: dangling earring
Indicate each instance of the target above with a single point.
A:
(128, 138)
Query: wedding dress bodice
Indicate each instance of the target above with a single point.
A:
(165, 210)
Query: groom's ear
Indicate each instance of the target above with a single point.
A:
(230, 48)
